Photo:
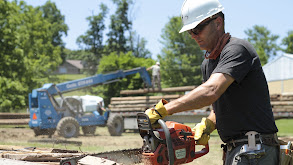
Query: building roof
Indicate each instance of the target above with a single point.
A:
(76, 63)
(280, 68)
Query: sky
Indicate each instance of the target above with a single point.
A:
(150, 16)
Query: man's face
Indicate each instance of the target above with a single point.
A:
(205, 34)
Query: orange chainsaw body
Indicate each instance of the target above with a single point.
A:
(183, 144)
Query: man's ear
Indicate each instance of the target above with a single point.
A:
(219, 22)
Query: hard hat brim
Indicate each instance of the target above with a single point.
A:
(190, 26)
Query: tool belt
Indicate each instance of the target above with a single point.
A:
(267, 139)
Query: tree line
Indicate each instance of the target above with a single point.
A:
(32, 48)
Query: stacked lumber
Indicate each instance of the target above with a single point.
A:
(282, 103)
(282, 97)
(33, 154)
(14, 115)
(141, 103)
(14, 118)
(137, 103)
(164, 90)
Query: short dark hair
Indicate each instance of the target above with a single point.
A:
(221, 14)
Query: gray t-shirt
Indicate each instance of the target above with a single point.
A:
(155, 70)
(245, 105)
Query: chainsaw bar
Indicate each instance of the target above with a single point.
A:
(127, 156)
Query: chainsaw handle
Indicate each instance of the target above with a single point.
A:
(168, 141)
(202, 152)
(145, 126)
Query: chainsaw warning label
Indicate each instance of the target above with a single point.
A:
(181, 153)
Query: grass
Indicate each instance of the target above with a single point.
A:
(285, 127)
(69, 77)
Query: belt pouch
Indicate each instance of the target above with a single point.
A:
(286, 154)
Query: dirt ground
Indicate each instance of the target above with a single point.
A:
(100, 142)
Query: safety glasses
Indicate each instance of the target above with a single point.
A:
(200, 27)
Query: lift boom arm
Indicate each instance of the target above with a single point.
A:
(94, 80)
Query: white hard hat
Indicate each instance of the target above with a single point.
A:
(158, 63)
(194, 12)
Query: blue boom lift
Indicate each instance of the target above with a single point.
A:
(48, 115)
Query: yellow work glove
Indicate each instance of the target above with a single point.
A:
(202, 131)
(157, 112)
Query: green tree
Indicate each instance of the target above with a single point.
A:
(27, 54)
(288, 42)
(263, 41)
(180, 58)
(92, 41)
(12, 65)
(58, 27)
(75, 54)
(35, 39)
(114, 62)
(119, 25)
(138, 46)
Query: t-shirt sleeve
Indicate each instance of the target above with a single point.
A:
(235, 61)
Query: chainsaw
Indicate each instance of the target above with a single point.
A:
(171, 144)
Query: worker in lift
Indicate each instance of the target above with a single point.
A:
(156, 75)
(234, 83)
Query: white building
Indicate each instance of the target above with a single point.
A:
(279, 74)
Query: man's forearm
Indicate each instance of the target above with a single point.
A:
(200, 97)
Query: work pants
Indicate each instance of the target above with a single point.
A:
(156, 80)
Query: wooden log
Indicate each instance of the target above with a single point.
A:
(133, 109)
(146, 97)
(140, 101)
(14, 121)
(286, 97)
(282, 107)
(275, 97)
(11, 148)
(281, 103)
(18, 162)
(142, 109)
(95, 160)
(130, 106)
(282, 110)
(40, 157)
(14, 115)
(134, 102)
(163, 90)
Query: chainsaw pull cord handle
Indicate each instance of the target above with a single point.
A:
(168, 141)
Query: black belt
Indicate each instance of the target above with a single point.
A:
(267, 139)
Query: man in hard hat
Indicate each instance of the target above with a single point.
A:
(156, 75)
(234, 83)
